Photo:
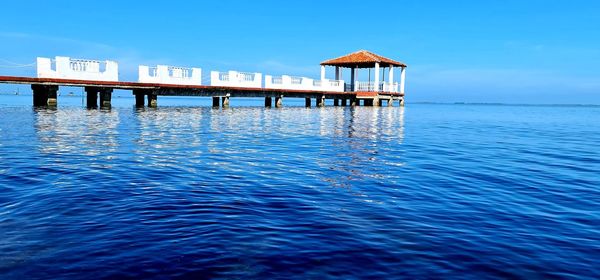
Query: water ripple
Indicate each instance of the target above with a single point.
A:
(430, 191)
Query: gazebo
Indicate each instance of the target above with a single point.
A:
(368, 60)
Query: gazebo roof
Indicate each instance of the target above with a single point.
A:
(362, 59)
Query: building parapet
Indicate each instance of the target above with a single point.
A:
(302, 83)
(163, 74)
(77, 69)
(236, 79)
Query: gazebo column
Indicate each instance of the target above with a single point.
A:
(402, 79)
(352, 78)
(337, 73)
(322, 72)
(391, 76)
(376, 77)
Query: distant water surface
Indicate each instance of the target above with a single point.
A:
(187, 191)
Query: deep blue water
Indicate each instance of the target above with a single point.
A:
(187, 191)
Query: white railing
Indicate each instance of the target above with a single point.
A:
(302, 83)
(236, 79)
(163, 74)
(77, 69)
(370, 86)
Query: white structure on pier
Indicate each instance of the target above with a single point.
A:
(163, 74)
(77, 69)
(368, 60)
(236, 79)
(302, 83)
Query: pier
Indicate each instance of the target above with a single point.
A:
(100, 78)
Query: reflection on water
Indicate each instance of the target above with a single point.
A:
(321, 193)
(88, 132)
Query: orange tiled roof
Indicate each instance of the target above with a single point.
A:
(362, 59)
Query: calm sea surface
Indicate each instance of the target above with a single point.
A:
(187, 191)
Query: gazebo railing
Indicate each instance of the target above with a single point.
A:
(370, 86)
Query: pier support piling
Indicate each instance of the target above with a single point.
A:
(44, 95)
(344, 100)
(353, 102)
(379, 102)
(321, 101)
(105, 97)
(278, 101)
(225, 101)
(336, 102)
(215, 102)
(307, 102)
(402, 102)
(390, 102)
(139, 98)
(152, 100)
(268, 101)
(91, 97)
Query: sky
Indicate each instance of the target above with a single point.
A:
(530, 52)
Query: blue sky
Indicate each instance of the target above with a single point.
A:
(457, 51)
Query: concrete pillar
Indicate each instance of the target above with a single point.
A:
(391, 74)
(152, 100)
(215, 101)
(321, 101)
(336, 102)
(44, 95)
(139, 98)
(344, 101)
(402, 81)
(225, 101)
(105, 97)
(376, 77)
(379, 102)
(52, 96)
(353, 102)
(278, 101)
(268, 101)
(322, 72)
(402, 102)
(307, 101)
(91, 97)
(390, 102)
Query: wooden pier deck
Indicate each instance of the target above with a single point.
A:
(45, 93)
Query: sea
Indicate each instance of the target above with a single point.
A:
(186, 191)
